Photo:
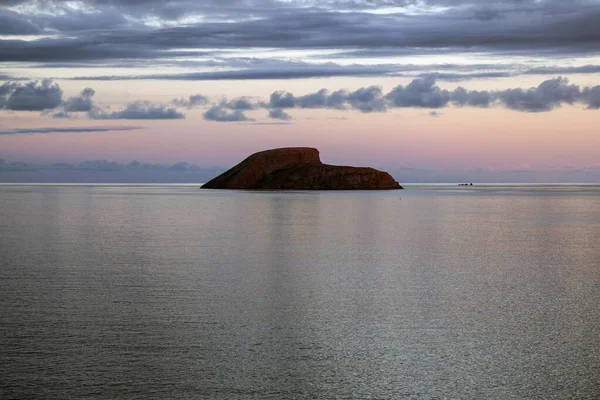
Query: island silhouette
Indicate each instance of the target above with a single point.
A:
(299, 168)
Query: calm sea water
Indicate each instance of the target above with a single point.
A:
(172, 292)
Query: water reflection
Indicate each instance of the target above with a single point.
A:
(171, 292)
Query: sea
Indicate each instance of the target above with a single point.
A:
(171, 292)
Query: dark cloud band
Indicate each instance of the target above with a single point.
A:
(50, 130)
(117, 30)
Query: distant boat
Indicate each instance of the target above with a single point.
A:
(465, 184)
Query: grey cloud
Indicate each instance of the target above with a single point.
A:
(282, 99)
(183, 166)
(474, 98)
(591, 95)
(32, 96)
(424, 93)
(69, 20)
(220, 114)
(82, 102)
(5, 90)
(280, 70)
(322, 99)
(100, 165)
(106, 165)
(270, 123)
(287, 72)
(531, 27)
(337, 99)
(173, 10)
(585, 69)
(450, 76)
(383, 52)
(312, 100)
(195, 100)
(368, 99)
(139, 110)
(61, 114)
(50, 130)
(421, 92)
(106, 171)
(547, 96)
(76, 49)
(13, 23)
(241, 103)
(278, 113)
(365, 99)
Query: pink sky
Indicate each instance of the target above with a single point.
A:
(529, 96)
(458, 138)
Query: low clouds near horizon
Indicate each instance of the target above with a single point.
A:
(100, 171)
(419, 93)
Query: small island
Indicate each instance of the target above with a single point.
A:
(299, 168)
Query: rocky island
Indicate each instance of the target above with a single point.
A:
(299, 168)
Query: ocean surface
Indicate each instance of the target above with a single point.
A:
(433, 292)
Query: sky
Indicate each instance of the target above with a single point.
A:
(178, 90)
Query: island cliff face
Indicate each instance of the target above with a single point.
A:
(299, 168)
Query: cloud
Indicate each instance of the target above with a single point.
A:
(106, 171)
(6, 77)
(241, 103)
(101, 165)
(474, 98)
(138, 110)
(270, 123)
(43, 96)
(116, 30)
(62, 115)
(278, 113)
(592, 97)
(13, 23)
(367, 99)
(82, 102)
(219, 113)
(547, 96)
(319, 99)
(5, 91)
(50, 130)
(455, 76)
(272, 69)
(281, 99)
(585, 69)
(173, 9)
(276, 72)
(421, 92)
(31, 96)
(195, 100)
